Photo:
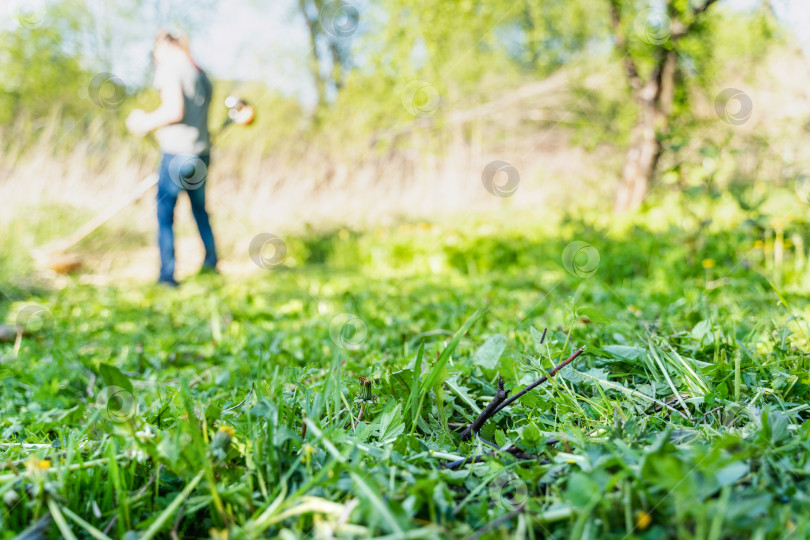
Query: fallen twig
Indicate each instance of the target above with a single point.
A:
(514, 450)
(500, 401)
(487, 413)
(541, 380)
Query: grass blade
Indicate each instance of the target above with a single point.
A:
(433, 375)
(175, 504)
(92, 531)
(366, 492)
(410, 406)
(59, 519)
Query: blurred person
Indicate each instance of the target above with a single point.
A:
(181, 126)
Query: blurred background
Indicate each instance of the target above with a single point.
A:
(376, 117)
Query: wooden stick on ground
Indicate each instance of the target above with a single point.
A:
(500, 401)
(486, 414)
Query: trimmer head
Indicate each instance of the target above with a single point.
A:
(239, 111)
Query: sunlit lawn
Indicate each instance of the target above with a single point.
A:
(233, 403)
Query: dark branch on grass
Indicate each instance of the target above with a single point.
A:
(487, 413)
(500, 401)
(514, 450)
(541, 380)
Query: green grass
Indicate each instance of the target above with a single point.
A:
(685, 417)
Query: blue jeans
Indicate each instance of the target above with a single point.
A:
(182, 172)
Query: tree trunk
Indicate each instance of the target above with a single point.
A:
(654, 97)
(654, 102)
(639, 164)
(312, 27)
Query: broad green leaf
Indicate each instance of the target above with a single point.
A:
(593, 314)
(370, 495)
(488, 354)
(732, 472)
(625, 352)
(581, 491)
(113, 377)
(531, 434)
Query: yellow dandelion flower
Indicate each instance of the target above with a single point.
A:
(708, 263)
(228, 429)
(643, 520)
(34, 463)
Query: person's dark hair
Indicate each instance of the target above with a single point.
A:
(174, 37)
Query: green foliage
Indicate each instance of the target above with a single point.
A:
(236, 402)
(39, 75)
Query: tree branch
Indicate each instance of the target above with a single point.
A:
(514, 450)
(683, 30)
(500, 400)
(487, 413)
(704, 6)
(541, 380)
(621, 43)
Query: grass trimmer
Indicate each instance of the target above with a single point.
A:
(54, 254)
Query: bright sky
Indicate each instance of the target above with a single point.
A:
(268, 40)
